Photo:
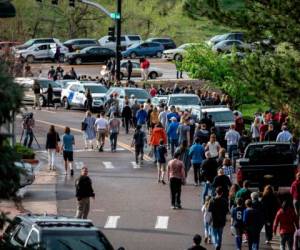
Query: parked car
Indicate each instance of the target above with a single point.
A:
(168, 43)
(74, 95)
(27, 175)
(126, 41)
(228, 36)
(94, 54)
(228, 45)
(140, 94)
(34, 231)
(159, 100)
(136, 71)
(5, 46)
(177, 54)
(267, 163)
(64, 83)
(143, 50)
(41, 51)
(184, 101)
(79, 44)
(36, 41)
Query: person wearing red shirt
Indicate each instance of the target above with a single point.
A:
(295, 192)
(153, 91)
(288, 224)
(145, 64)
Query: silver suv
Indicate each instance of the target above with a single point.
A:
(126, 41)
(54, 232)
(43, 51)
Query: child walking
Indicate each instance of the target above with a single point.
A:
(207, 220)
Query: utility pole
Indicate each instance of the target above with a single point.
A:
(118, 40)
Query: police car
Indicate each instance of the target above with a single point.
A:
(74, 95)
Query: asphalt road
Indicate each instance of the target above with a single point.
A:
(168, 69)
(131, 208)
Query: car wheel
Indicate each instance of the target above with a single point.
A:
(61, 58)
(65, 103)
(132, 55)
(153, 75)
(158, 54)
(178, 57)
(30, 59)
(78, 61)
(42, 101)
(121, 76)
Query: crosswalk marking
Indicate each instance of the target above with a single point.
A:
(135, 165)
(79, 165)
(162, 222)
(112, 222)
(108, 164)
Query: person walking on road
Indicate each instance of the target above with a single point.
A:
(197, 241)
(184, 156)
(129, 70)
(232, 137)
(68, 141)
(157, 134)
(89, 130)
(139, 141)
(141, 117)
(219, 209)
(207, 220)
(161, 161)
(37, 92)
(222, 180)
(89, 100)
(172, 133)
(295, 192)
(288, 224)
(84, 191)
(52, 146)
(237, 225)
(197, 155)
(28, 124)
(49, 96)
(114, 129)
(176, 177)
(127, 116)
(145, 64)
(101, 126)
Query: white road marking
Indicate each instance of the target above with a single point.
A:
(48, 111)
(79, 165)
(112, 222)
(162, 222)
(135, 165)
(108, 164)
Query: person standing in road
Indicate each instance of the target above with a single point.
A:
(28, 124)
(129, 70)
(232, 137)
(52, 146)
(178, 63)
(153, 91)
(114, 129)
(57, 54)
(161, 161)
(197, 155)
(37, 92)
(127, 116)
(219, 209)
(172, 133)
(51, 73)
(84, 191)
(101, 126)
(68, 141)
(197, 241)
(49, 96)
(176, 177)
(89, 100)
(139, 140)
(157, 134)
(145, 64)
(89, 130)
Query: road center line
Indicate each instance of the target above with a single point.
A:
(108, 164)
(162, 222)
(112, 222)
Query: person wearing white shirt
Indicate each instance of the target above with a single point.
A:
(232, 137)
(213, 146)
(101, 126)
(284, 135)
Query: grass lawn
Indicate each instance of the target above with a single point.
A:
(248, 110)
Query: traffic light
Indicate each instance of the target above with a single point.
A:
(111, 34)
(55, 2)
(72, 3)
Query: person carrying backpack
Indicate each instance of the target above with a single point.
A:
(139, 140)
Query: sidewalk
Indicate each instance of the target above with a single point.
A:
(40, 197)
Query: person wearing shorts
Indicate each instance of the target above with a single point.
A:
(161, 161)
(67, 148)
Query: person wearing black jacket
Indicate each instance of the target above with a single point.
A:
(89, 100)
(51, 146)
(84, 191)
(129, 70)
(49, 96)
(127, 116)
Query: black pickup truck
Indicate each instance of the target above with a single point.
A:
(267, 163)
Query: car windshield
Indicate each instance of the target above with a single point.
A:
(29, 42)
(224, 116)
(96, 89)
(184, 100)
(45, 83)
(138, 93)
(219, 37)
(68, 240)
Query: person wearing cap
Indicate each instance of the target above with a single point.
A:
(284, 135)
(84, 190)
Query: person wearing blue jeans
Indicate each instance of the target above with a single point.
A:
(172, 133)
(196, 154)
(219, 209)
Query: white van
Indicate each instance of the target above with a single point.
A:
(126, 41)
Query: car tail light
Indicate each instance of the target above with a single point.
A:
(239, 176)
